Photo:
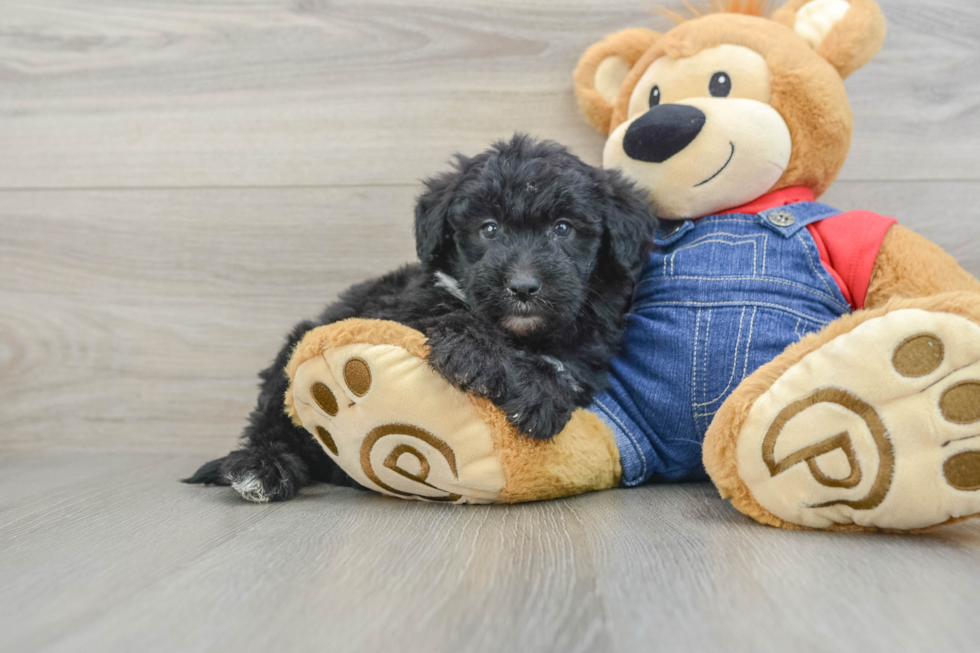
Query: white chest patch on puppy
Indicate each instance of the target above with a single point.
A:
(815, 20)
(449, 284)
(560, 368)
(558, 365)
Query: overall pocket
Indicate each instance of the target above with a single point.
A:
(731, 342)
(719, 254)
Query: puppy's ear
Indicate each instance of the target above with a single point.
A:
(433, 235)
(629, 223)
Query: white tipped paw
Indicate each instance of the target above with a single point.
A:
(879, 427)
(251, 489)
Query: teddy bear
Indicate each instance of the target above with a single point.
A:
(821, 368)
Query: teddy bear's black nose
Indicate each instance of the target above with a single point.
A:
(662, 132)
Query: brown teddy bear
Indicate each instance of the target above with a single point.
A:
(826, 365)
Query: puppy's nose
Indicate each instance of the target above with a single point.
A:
(523, 286)
(662, 132)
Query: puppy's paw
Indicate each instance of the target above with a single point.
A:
(538, 422)
(265, 474)
(541, 396)
(469, 358)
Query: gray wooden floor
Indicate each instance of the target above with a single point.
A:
(181, 181)
(105, 552)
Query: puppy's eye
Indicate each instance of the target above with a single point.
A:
(720, 85)
(562, 229)
(654, 96)
(489, 229)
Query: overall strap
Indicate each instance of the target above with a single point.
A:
(789, 219)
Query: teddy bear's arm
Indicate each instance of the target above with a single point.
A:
(910, 266)
(364, 390)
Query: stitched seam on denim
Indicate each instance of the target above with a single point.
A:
(704, 358)
(715, 234)
(709, 414)
(809, 257)
(748, 345)
(764, 279)
(765, 249)
(712, 220)
(713, 238)
(694, 358)
(731, 377)
(636, 445)
(755, 251)
(707, 238)
(778, 307)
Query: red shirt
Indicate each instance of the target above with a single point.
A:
(848, 242)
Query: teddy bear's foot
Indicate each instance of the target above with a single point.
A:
(382, 415)
(363, 388)
(878, 427)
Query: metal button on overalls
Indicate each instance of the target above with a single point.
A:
(782, 218)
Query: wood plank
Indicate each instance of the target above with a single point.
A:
(946, 213)
(140, 319)
(337, 565)
(679, 570)
(132, 560)
(76, 551)
(137, 320)
(273, 93)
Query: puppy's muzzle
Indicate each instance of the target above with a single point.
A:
(662, 132)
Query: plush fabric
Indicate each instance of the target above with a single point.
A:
(867, 424)
(806, 91)
(387, 407)
(626, 46)
(721, 456)
(809, 47)
(850, 43)
(908, 265)
(806, 84)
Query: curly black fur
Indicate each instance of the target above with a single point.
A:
(528, 260)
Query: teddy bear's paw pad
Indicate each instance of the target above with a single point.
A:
(396, 426)
(879, 427)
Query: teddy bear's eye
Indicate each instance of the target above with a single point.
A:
(654, 96)
(720, 85)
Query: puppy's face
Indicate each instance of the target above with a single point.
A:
(528, 231)
(524, 250)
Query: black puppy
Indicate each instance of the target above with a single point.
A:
(528, 260)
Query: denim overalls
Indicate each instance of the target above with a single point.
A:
(720, 297)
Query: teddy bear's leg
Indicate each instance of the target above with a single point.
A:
(363, 389)
(872, 423)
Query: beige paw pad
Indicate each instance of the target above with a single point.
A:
(879, 427)
(396, 426)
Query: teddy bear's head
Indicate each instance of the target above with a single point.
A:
(730, 105)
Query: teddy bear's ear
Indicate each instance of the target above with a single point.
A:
(602, 70)
(847, 33)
